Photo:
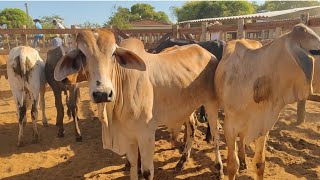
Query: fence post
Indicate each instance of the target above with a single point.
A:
(240, 32)
(304, 18)
(204, 32)
(301, 105)
(73, 37)
(271, 31)
(175, 31)
(24, 37)
(278, 32)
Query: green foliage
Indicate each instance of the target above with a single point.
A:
(14, 18)
(89, 25)
(46, 21)
(123, 16)
(210, 9)
(282, 5)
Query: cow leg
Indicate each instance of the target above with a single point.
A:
(259, 156)
(190, 132)
(212, 111)
(21, 113)
(42, 106)
(34, 94)
(208, 135)
(73, 101)
(242, 153)
(232, 161)
(132, 155)
(60, 112)
(34, 117)
(146, 147)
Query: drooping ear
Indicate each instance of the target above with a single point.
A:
(69, 65)
(129, 59)
(302, 58)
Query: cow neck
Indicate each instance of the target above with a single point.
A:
(277, 60)
(117, 77)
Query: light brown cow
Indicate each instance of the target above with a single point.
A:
(137, 92)
(254, 85)
(227, 51)
(137, 46)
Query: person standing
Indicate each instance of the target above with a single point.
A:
(37, 37)
(58, 25)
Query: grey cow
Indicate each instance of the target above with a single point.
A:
(72, 99)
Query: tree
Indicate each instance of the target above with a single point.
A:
(211, 9)
(123, 16)
(14, 18)
(46, 21)
(89, 25)
(282, 5)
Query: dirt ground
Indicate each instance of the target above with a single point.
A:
(293, 152)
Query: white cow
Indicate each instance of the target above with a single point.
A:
(27, 81)
(254, 85)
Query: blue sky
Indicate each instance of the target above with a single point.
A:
(77, 12)
(81, 11)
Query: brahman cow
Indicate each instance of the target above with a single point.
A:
(136, 46)
(72, 99)
(254, 85)
(27, 81)
(137, 92)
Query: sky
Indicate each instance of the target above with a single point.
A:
(81, 11)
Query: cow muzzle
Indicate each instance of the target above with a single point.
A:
(99, 97)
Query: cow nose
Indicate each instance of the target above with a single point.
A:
(100, 97)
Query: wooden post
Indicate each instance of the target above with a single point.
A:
(24, 37)
(175, 31)
(204, 32)
(278, 32)
(241, 32)
(271, 31)
(301, 105)
(73, 40)
(304, 18)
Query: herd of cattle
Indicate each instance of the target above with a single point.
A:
(136, 91)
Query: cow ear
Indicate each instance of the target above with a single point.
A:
(69, 66)
(303, 59)
(129, 59)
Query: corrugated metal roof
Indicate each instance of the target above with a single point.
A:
(250, 16)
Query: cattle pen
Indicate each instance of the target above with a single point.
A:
(256, 26)
(292, 150)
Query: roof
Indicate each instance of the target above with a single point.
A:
(256, 15)
(148, 22)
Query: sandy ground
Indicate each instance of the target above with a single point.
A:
(293, 152)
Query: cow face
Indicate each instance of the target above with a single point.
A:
(97, 57)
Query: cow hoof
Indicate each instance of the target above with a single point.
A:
(243, 166)
(20, 144)
(79, 139)
(207, 140)
(179, 167)
(218, 173)
(60, 135)
(126, 167)
(45, 124)
(35, 139)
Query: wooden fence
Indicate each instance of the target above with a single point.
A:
(262, 31)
